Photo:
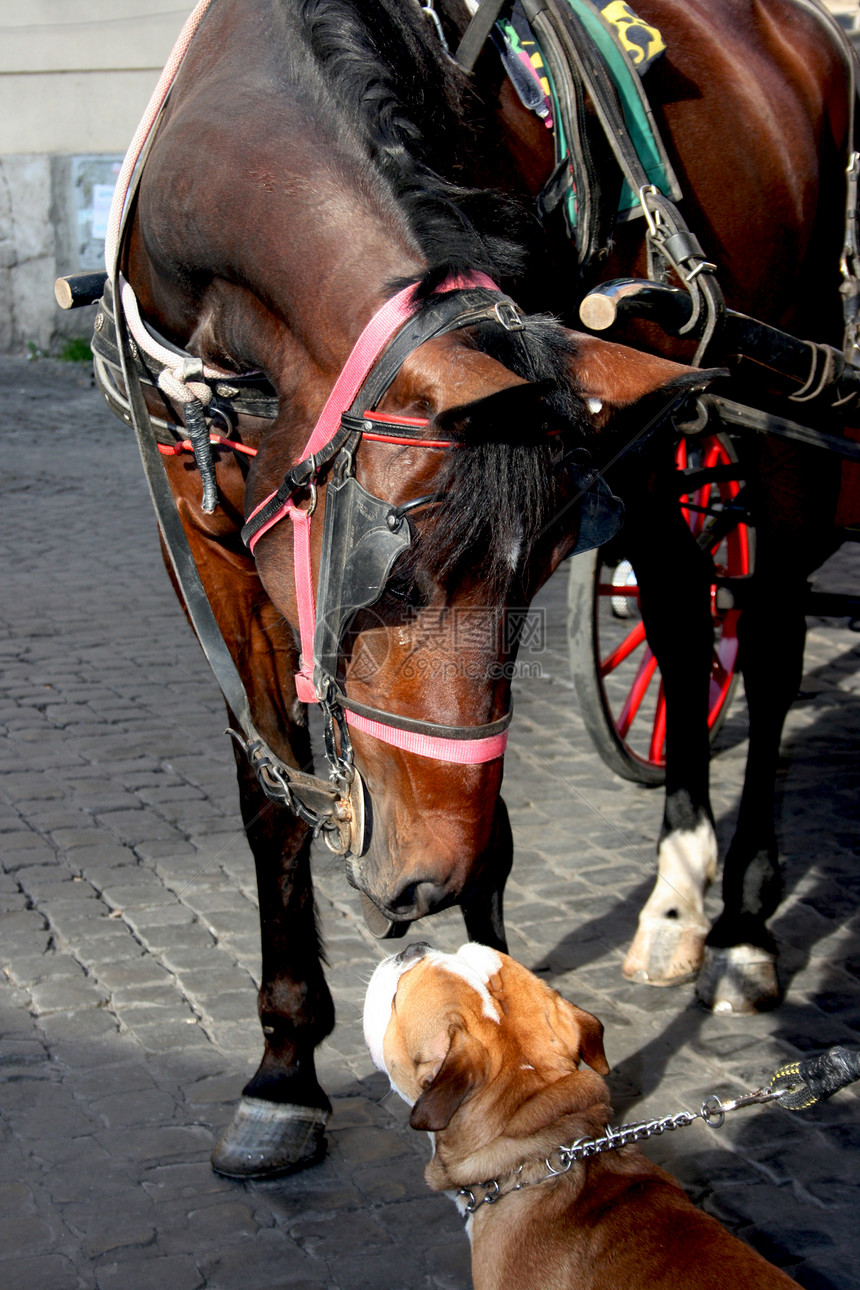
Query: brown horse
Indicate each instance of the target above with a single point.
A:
(264, 238)
(754, 104)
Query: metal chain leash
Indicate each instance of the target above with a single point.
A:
(796, 1086)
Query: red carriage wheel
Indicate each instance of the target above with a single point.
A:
(616, 675)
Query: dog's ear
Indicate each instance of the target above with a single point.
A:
(581, 1033)
(463, 1069)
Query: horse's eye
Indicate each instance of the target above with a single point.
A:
(404, 588)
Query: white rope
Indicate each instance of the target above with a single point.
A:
(174, 379)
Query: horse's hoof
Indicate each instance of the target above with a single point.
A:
(384, 929)
(268, 1139)
(665, 952)
(738, 978)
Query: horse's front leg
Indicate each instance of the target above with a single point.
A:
(280, 1121)
(482, 905)
(794, 504)
(674, 578)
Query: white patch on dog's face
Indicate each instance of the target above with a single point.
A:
(474, 964)
(377, 1005)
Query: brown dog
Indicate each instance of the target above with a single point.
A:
(487, 1055)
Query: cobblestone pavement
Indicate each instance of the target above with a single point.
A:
(128, 937)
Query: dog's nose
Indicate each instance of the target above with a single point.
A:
(411, 952)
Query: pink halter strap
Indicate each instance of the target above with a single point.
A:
(367, 349)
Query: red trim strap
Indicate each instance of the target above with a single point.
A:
(185, 445)
(464, 752)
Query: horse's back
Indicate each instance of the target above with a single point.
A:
(752, 97)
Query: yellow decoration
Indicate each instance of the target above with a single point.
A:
(642, 42)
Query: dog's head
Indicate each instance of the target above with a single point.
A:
(450, 1029)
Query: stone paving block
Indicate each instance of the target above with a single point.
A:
(66, 995)
(170, 1185)
(88, 1056)
(146, 1106)
(43, 1111)
(266, 1263)
(84, 1025)
(142, 825)
(147, 1271)
(21, 927)
(826, 1271)
(54, 1270)
(69, 839)
(110, 1231)
(21, 849)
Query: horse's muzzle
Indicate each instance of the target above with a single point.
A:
(407, 899)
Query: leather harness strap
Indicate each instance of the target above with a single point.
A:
(477, 33)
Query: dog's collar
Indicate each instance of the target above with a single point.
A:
(469, 1199)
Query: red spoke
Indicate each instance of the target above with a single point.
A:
(609, 589)
(638, 690)
(722, 674)
(732, 557)
(658, 733)
(623, 651)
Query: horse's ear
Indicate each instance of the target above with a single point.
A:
(462, 1070)
(512, 414)
(612, 377)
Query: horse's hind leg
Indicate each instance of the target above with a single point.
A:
(674, 577)
(739, 972)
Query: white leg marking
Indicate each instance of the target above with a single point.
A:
(686, 864)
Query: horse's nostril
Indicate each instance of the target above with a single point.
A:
(417, 899)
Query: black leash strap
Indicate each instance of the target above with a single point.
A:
(818, 1077)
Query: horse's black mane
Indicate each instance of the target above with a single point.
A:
(505, 491)
(410, 102)
(412, 105)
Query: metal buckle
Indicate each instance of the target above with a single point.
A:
(509, 315)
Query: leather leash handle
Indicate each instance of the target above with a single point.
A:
(816, 1078)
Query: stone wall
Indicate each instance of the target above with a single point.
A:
(74, 81)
